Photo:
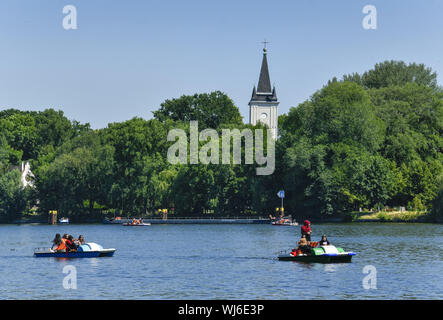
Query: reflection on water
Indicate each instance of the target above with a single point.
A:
(331, 267)
(94, 262)
(224, 262)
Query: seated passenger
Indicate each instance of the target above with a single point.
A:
(80, 240)
(69, 242)
(303, 246)
(59, 243)
(306, 238)
(324, 241)
(56, 242)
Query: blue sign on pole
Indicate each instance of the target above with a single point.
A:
(281, 194)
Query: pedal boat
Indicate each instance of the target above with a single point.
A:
(284, 222)
(323, 254)
(63, 221)
(89, 250)
(127, 224)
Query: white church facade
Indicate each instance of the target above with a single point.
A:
(26, 174)
(263, 105)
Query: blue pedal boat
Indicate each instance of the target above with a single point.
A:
(88, 250)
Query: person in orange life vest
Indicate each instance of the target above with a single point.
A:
(66, 241)
(306, 230)
(57, 243)
(69, 242)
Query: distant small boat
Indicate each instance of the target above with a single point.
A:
(284, 222)
(128, 224)
(64, 221)
(136, 223)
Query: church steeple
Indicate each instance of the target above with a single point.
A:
(263, 104)
(264, 91)
(264, 82)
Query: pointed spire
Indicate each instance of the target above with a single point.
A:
(264, 92)
(264, 83)
(274, 95)
(254, 92)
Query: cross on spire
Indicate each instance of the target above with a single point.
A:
(265, 43)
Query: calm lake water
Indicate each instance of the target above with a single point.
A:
(224, 262)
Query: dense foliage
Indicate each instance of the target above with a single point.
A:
(365, 141)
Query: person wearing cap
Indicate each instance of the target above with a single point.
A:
(306, 230)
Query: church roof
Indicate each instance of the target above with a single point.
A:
(264, 83)
(264, 92)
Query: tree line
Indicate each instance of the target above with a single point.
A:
(363, 141)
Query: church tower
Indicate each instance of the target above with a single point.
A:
(264, 103)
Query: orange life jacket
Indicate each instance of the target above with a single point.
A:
(62, 245)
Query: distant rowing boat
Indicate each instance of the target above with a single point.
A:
(136, 225)
(284, 222)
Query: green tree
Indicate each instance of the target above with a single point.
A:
(21, 133)
(437, 203)
(72, 178)
(395, 73)
(340, 112)
(14, 199)
(211, 110)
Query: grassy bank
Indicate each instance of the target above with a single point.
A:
(390, 216)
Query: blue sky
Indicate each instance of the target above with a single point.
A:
(126, 57)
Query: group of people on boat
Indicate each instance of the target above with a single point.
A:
(305, 244)
(136, 222)
(67, 243)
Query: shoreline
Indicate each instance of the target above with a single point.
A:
(348, 218)
(392, 216)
